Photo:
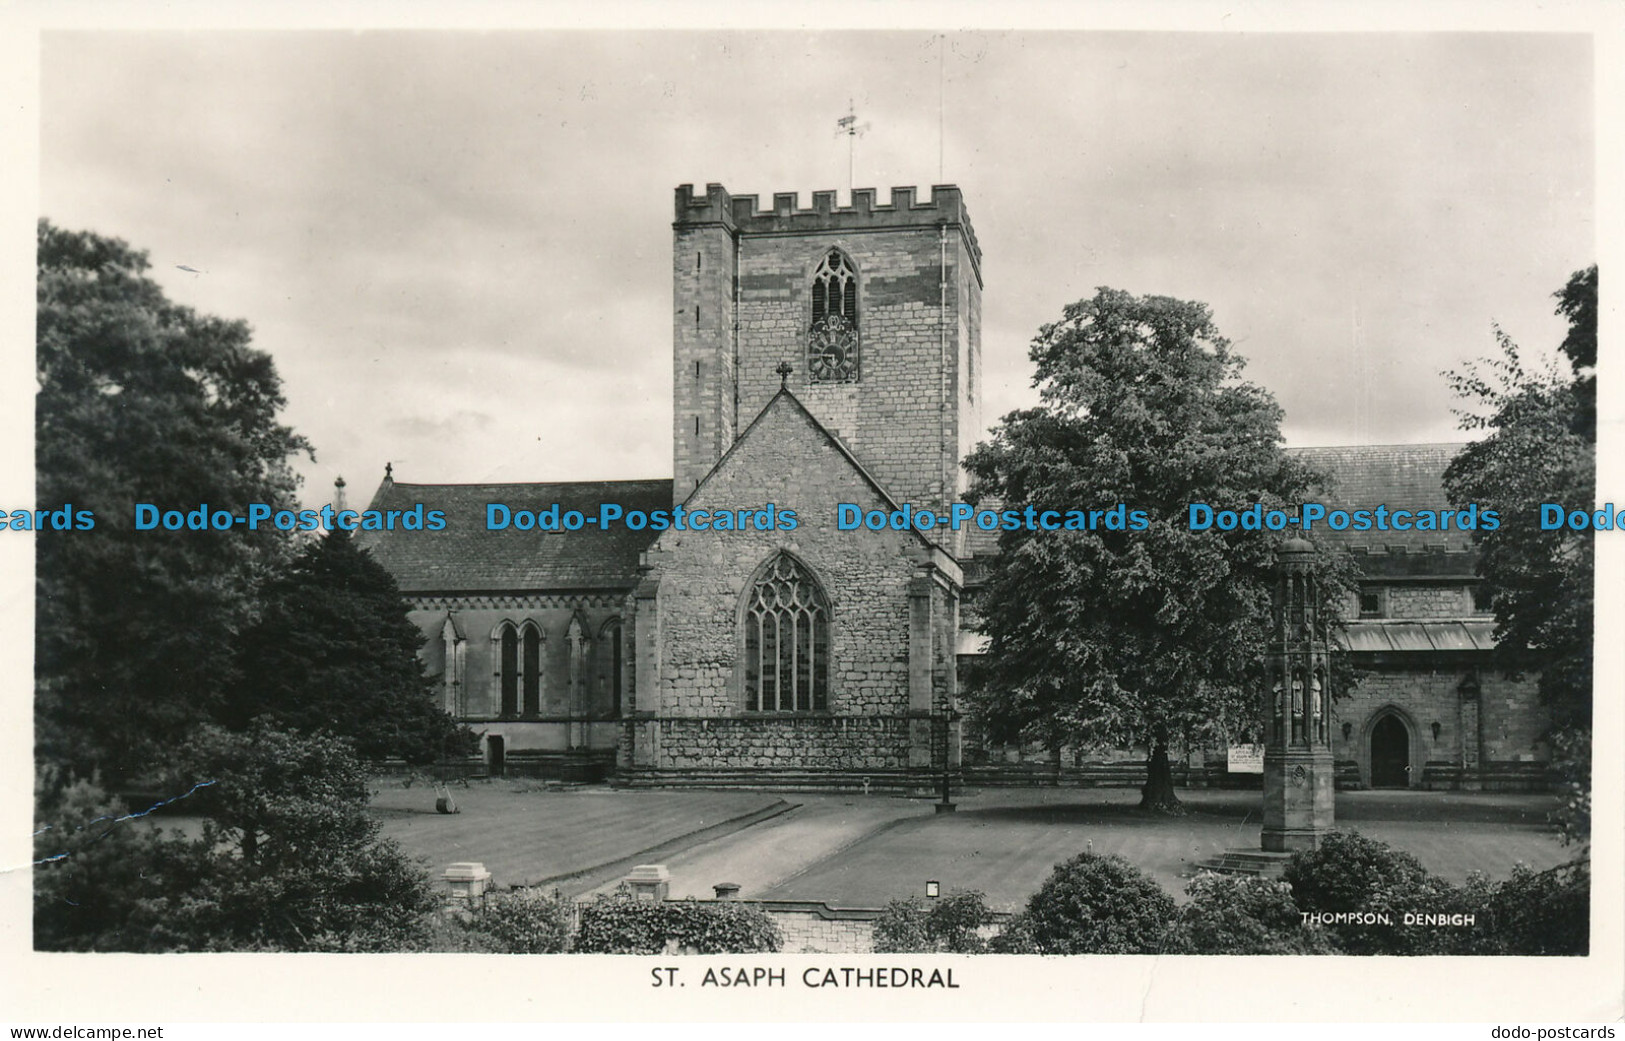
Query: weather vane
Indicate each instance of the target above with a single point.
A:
(849, 126)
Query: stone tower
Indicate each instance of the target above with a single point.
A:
(876, 308)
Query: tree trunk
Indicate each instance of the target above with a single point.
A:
(1158, 794)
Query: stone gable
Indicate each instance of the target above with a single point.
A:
(785, 459)
(891, 597)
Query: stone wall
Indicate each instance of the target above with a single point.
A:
(1428, 601)
(705, 418)
(479, 696)
(1417, 601)
(797, 742)
(808, 932)
(1502, 726)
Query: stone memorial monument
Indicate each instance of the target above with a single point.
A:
(1298, 765)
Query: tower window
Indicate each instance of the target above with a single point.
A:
(1371, 603)
(832, 340)
(786, 652)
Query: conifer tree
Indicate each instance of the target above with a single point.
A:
(334, 651)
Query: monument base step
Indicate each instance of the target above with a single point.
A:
(1260, 863)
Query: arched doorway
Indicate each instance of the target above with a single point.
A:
(1390, 753)
(495, 756)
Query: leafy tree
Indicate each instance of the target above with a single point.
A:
(1539, 447)
(142, 401)
(1577, 301)
(1545, 913)
(94, 867)
(333, 650)
(290, 857)
(1109, 636)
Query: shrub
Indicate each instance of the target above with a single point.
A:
(453, 932)
(619, 925)
(1545, 913)
(1239, 914)
(524, 922)
(901, 928)
(1428, 895)
(1571, 760)
(720, 928)
(950, 924)
(1015, 938)
(1346, 873)
(1098, 905)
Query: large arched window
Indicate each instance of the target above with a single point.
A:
(786, 640)
(832, 339)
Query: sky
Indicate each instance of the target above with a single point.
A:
(456, 245)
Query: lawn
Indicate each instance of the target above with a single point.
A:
(1005, 842)
(529, 833)
(851, 850)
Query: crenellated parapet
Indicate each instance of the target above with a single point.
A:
(741, 213)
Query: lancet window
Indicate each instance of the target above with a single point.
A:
(517, 654)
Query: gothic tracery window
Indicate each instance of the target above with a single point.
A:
(786, 622)
(832, 341)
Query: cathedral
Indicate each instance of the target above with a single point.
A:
(831, 355)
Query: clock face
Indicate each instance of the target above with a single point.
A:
(832, 350)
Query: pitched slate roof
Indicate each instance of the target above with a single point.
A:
(467, 558)
(1401, 477)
